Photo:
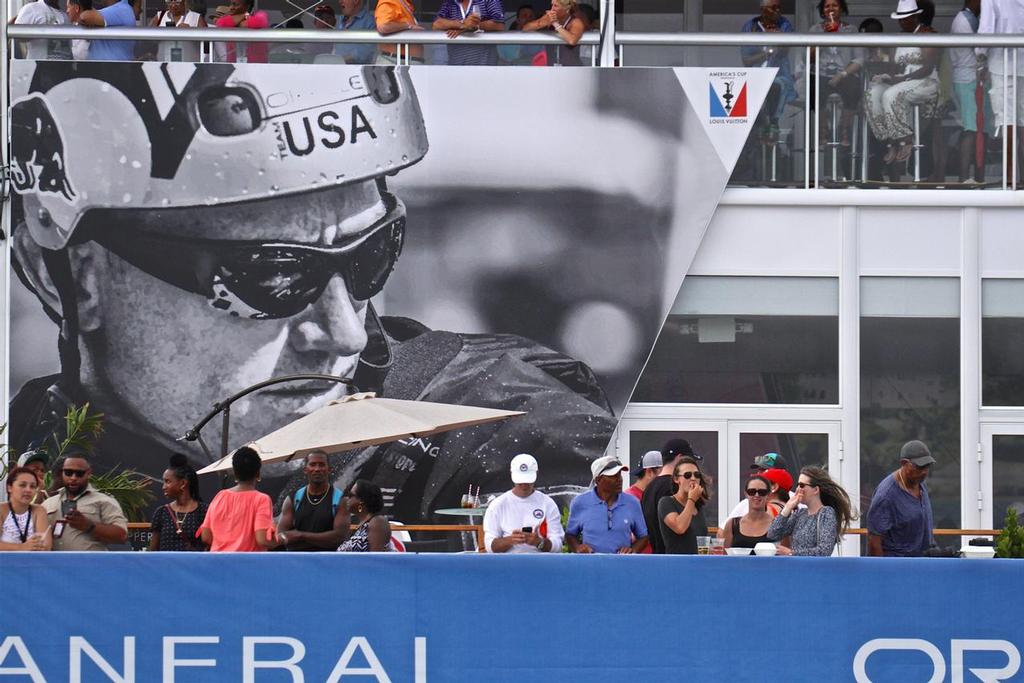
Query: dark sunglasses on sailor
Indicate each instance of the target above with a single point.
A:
(260, 280)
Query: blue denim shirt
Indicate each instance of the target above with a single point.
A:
(357, 53)
(903, 521)
(118, 14)
(605, 529)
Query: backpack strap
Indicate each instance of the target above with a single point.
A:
(298, 498)
(335, 500)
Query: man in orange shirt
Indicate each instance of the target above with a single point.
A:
(393, 16)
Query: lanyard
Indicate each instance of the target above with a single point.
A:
(22, 533)
(408, 8)
(468, 10)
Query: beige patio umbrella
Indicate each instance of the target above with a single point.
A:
(362, 420)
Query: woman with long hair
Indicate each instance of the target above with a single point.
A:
(240, 519)
(818, 527)
(752, 528)
(23, 525)
(680, 518)
(176, 524)
(838, 67)
(365, 504)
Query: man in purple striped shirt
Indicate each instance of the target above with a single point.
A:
(470, 16)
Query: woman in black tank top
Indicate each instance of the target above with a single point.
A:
(757, 520)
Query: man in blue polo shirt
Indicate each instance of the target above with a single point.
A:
(603, 520)
(900, 517)
(355, 17)
(118, 13)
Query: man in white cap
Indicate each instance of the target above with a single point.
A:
(602, 520)
(523, 520)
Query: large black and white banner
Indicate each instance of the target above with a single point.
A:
(508, 238)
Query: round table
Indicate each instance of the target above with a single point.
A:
(469, 541)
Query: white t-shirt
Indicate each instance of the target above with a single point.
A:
(508, 512)
(962, 59)
(39, 12)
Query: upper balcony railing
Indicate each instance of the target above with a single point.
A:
(815, 130)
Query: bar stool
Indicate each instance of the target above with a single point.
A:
(833, 105)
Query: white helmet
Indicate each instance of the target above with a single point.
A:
(109, 135)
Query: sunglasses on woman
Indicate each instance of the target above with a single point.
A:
(260, 280)
(690, 475)
(757, 492)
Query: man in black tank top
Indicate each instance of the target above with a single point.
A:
(315, 517)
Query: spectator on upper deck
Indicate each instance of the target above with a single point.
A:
(839, 67)
(815, 518)
(23, 524)
(175, 525)
(116, 13)
(316, 516)
(914, 81)
(177, 15)
(240, 518)
(520, 54)
(662, 485)
(965, 63)
(241, 15)
(680, 516)
(395, 16)
(1002, 17)
(783, 90)
(42, 12)
(355, 17)
(366, 507)
(565, 20)
(470, 16)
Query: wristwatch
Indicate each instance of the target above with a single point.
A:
(540, 544)
(91, 527)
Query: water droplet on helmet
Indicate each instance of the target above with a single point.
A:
(123, 160)
(165, 201)
(260, 172)
(127, 198)
(405, 158)
(274, 188)
(44, 218)
(136, 164)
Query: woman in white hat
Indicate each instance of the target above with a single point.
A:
(890, 99)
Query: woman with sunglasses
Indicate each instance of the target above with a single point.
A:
(679, 516)
(365, 503)
(23, 525)
(818, 527)
(240, 518)
(752, 528)
(175, 525)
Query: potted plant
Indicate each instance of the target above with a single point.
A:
(1010, 542)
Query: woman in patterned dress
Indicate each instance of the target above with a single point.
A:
(365, 503)
(890, 99)
(817, 528)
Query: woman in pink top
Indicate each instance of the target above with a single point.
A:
(240, 15)
(240, 519)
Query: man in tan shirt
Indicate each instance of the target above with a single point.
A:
(81, 517)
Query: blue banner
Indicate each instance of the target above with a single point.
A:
(418, 618)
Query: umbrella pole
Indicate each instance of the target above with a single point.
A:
(225, 425)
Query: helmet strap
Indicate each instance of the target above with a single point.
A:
(377, 356)
(58, 265)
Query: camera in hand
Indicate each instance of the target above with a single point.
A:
(527, 529)
(67, 506)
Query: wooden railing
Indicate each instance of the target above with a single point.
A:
(140, 531)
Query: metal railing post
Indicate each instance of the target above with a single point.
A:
(607, 33)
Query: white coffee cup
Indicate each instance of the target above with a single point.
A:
(765, 549)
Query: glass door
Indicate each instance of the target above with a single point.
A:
(799, 443)
(707, 439)
(1002, 473)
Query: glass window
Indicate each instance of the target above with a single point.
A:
(1002, 337)
(704, 444)
(910, 384)
(747, 340)
(1007, 477)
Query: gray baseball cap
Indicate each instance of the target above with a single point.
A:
(917, 453)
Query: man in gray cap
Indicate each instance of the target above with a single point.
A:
(646, 471)
(900, 517)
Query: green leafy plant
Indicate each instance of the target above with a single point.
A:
(1010, 542)
(82, 429)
